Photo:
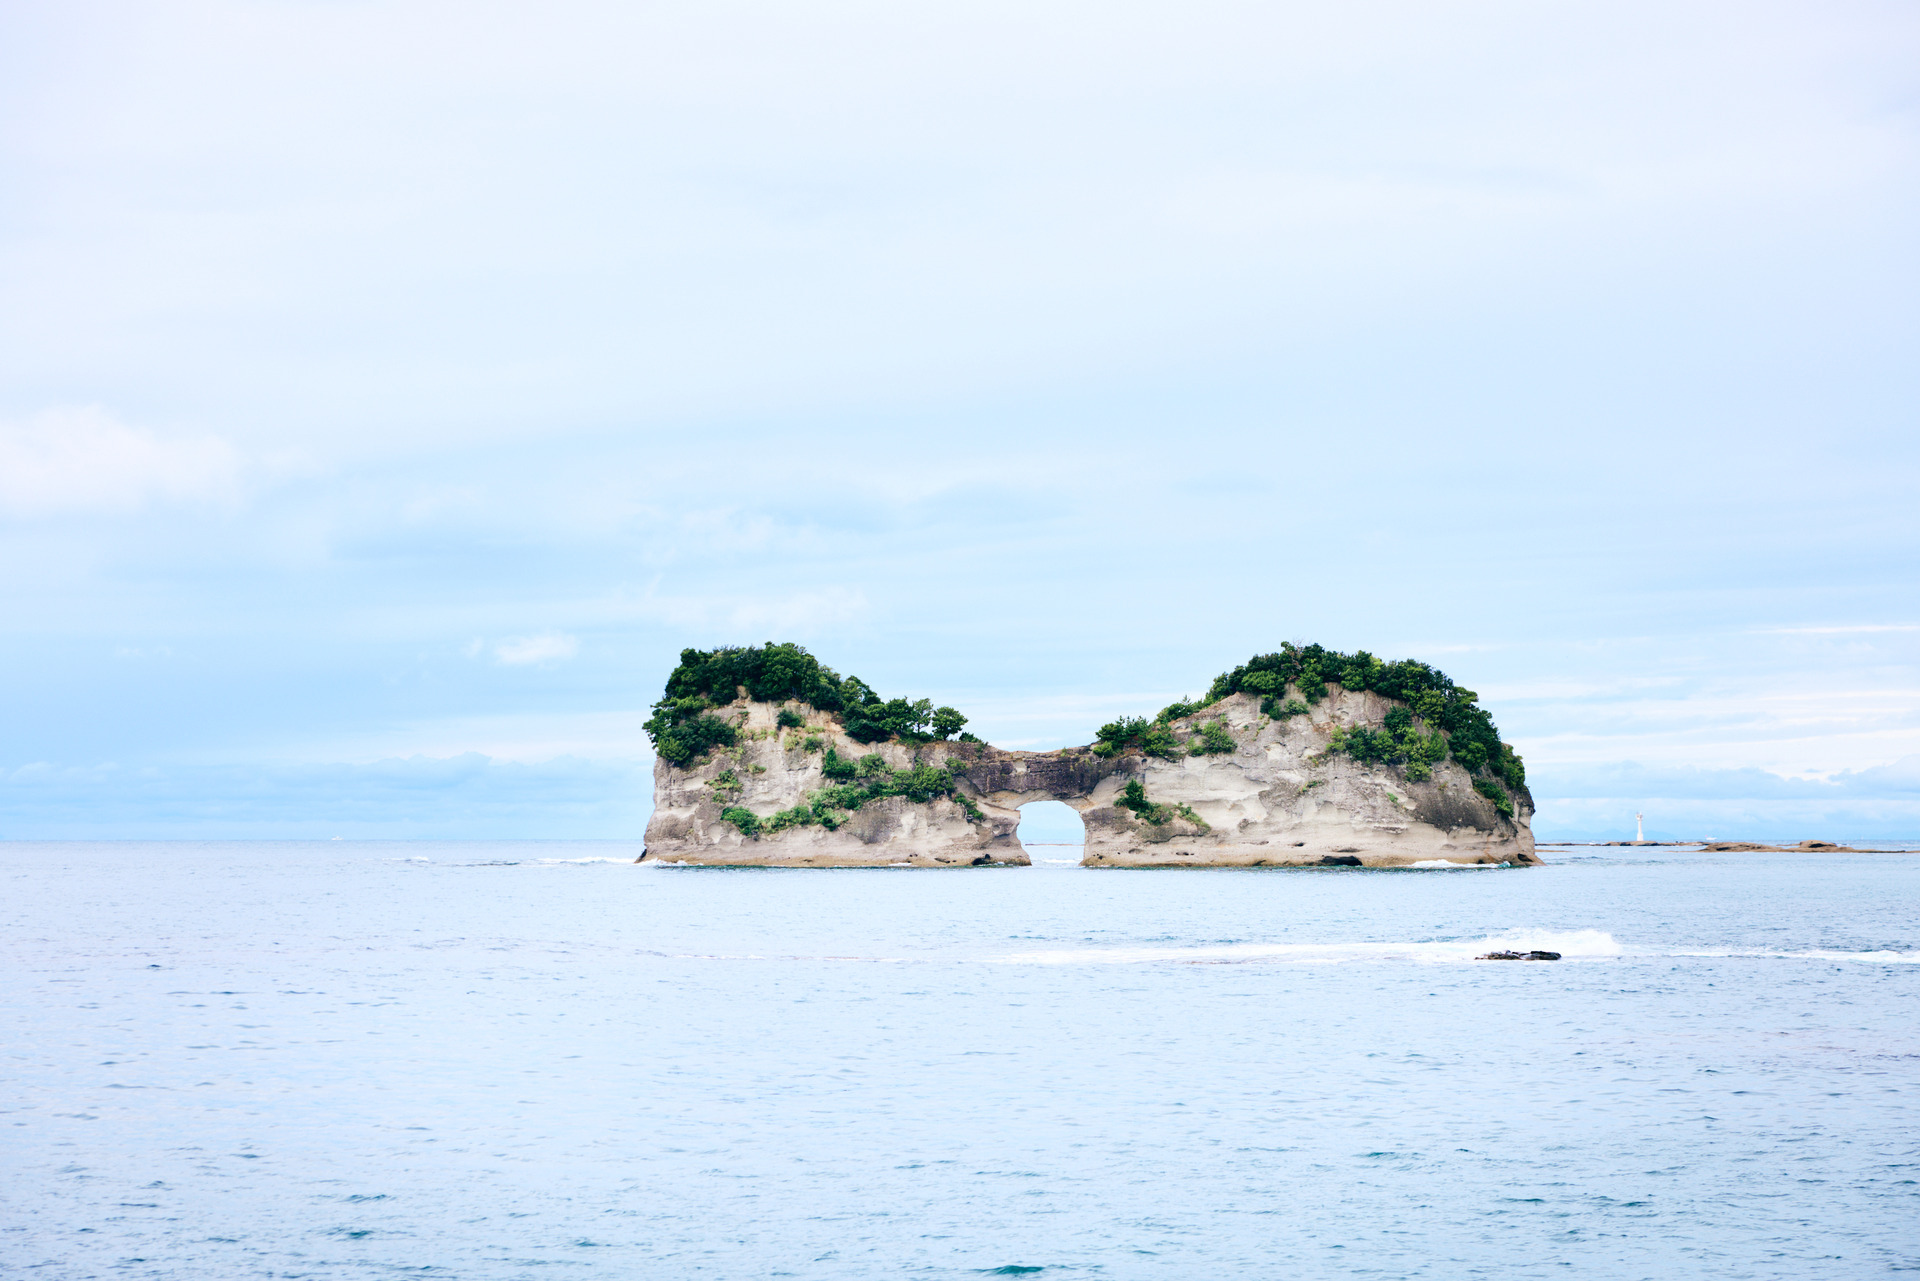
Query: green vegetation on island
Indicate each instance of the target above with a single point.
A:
(855, 783)
(1438, 718)
(1491, 789)
(1151, 737)
(683, 727)
(1398, 742)
(1214, 740)
(1156, 737)
(1134, 797)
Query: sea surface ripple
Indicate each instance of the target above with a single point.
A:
(525, 1060)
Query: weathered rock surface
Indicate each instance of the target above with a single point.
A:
(1277, 799)
(774, 771)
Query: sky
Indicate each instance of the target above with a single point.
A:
(390, 391)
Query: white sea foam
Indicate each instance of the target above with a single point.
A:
(757, 956)
(1571, 944)
(1443, 862)
(1882, 957)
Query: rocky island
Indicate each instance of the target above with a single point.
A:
(1301, 758)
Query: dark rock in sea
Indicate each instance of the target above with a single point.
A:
(1519, 956)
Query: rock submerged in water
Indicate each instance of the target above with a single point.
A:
(1519, 956)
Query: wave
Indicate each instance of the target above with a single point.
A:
(557, 862)
(1571, 944)
(1881, 956)
(422, 861)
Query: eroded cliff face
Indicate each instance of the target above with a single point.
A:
(1280, 798)
(1277, 798)
(773, 769)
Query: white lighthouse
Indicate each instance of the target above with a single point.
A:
(1639, 831)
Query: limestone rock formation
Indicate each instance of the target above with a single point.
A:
(1260, 792)
(1281, 798)
(771, 769)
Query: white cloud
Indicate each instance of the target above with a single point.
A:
(80, 459)
(736, 614)
(1849, 630)
(548, 647)
(1574, 819)
(526, 737)
(1899, 780)
(1062, 373)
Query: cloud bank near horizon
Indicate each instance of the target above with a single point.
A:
(466, 797)
(476, 797)
(1881, 803)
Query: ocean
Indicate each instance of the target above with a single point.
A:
(513, 1060)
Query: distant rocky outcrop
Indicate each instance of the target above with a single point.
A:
(1750, 847)
(1301, 772)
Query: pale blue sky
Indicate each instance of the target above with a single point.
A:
(389, 391)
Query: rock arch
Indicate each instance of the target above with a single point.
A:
(1278, 797)
(1002, 781)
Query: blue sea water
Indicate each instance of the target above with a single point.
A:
(519, 1060)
